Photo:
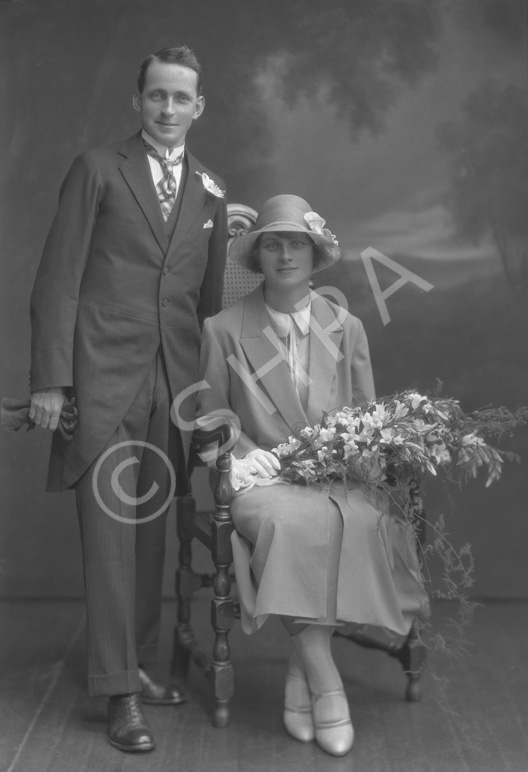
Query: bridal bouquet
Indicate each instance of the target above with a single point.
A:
(396, 438)
(385, 447)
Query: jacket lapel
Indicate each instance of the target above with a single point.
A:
(261, 347)
(136, 171)
(326, 334)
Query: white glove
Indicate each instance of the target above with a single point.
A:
(263, 463)
(240, 476)
(256, 465)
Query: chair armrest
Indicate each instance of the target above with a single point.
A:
(203, 437)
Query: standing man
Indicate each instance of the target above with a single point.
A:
(133, 263)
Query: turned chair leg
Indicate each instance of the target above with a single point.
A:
(220, 671)
(222, 607)
(216, 536)
(413, 656)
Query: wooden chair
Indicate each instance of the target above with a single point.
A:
(213, 530)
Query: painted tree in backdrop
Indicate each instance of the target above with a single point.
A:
(488, 150)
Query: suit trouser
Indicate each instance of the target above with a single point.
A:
(123, 538)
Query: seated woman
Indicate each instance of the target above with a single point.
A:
(319, 558)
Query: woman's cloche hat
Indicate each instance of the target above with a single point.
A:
(287, 213)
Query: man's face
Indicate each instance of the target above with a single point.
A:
(169, 102)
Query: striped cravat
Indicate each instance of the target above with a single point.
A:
(166, 187)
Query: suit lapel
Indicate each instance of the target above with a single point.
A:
(326, 334)
(261, 347)
(136, 171)
(192, 202)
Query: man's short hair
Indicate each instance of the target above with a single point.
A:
(177, 55)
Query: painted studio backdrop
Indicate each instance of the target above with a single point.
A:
(402, 122)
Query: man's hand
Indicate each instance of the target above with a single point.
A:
(46, 406)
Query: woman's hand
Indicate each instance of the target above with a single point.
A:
(263, 463)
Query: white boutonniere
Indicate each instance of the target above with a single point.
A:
(210, 185)
(316, 224)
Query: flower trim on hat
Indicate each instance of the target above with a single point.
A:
(210, 185)
(316, 223)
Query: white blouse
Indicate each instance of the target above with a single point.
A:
(292, 331)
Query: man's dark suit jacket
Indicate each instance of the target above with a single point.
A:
(112, 287)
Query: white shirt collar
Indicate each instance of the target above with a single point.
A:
(163, 150)
(284, 321)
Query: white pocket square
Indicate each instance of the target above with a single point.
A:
(208, 224)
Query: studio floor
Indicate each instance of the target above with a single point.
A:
(473, 716)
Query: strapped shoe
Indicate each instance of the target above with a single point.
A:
(128, 729)
(333, 728)
(153, 693)
(298, 708)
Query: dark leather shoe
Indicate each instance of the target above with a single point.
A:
(156, 694)
(128, 729)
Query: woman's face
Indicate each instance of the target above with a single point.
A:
(286, 259)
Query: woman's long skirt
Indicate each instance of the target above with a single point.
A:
(325, 556)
